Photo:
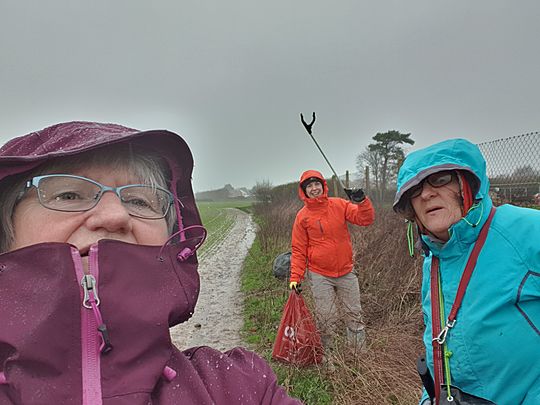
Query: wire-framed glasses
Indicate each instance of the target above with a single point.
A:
(69, 193)
(435, 180)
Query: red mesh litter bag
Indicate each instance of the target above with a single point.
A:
(298, 341)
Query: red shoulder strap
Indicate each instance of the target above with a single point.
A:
(438, 333)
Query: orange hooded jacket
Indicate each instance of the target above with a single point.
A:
(320, 237)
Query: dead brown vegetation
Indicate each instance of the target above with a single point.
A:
(390, 285)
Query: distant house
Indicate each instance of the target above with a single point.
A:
(228, 192)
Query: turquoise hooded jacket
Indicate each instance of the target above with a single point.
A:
(495, 343)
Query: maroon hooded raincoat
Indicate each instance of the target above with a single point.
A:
(49, 342)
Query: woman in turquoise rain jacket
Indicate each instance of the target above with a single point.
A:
(492, 348)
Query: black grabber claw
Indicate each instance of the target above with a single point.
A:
(306, 125)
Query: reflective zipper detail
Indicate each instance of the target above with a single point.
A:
(91, 373)
(321, 228)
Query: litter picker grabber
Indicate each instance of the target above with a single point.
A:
(309, 130)
(356, 195)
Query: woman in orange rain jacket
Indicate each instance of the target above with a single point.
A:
(322, 244)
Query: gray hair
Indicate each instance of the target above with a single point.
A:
(148, 167)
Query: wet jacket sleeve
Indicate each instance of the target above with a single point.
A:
(207, 376)
(361, 214)
(259, 372)
(299, 251)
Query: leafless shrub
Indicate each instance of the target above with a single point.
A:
(389, 278)
(276, 217)
(390, 284)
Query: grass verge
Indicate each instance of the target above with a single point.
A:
(265, 297)
(389, 284)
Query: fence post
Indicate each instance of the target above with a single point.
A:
(347, 179)
(335, 184)
(366, 176)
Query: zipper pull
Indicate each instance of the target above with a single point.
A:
(321, 228)
(89, 285)
(91, 301)
(106, 345)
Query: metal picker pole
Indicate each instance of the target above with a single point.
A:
(309, 131)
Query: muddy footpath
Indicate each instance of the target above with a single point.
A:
(218, 315)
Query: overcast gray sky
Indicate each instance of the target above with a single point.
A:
(232, 76)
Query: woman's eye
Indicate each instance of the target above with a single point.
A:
(416, 191)
(138, 202)
(68, 195)
(439, 181)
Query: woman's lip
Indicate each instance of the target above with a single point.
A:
(429, 211)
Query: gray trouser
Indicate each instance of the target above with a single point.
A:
(326, 292)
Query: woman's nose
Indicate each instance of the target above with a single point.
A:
(110, 214)
(427, 190)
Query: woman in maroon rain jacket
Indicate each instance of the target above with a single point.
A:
(92, 275)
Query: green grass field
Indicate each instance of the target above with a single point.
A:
(217, 219)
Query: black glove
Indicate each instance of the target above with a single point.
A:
(355, 194)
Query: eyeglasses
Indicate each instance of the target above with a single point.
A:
(65, 192)
(435, 180)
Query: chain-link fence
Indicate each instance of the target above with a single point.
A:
(513, 168)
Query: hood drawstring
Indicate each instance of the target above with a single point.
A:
(187, 251)
(473, 207)
(410, 237)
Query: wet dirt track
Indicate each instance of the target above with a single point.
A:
(218, 315)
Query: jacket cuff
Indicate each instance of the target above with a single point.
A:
(295, 277)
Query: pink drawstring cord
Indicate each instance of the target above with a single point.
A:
(187, 251)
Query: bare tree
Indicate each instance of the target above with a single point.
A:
(384, 157)
(262, 191)
(373, 160)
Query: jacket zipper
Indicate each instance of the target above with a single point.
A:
(91, 372)
(321, 228)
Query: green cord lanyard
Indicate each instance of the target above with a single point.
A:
(446, 352)
(439, 329)
(410, 238)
